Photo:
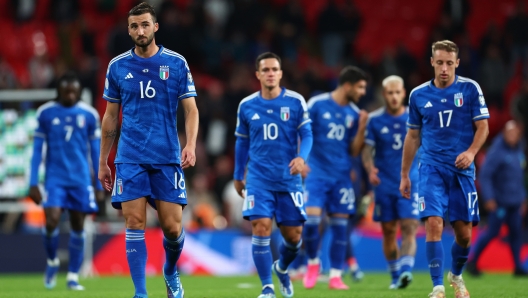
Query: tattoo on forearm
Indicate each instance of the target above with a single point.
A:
(110, 134)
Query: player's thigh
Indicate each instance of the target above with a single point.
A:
(290, 208)
(316, 194)
(433, 191)
(81, 199)
(258, 203)
(135, 213)
(167, 183)
(131, 183)
(343, 198)
(463, 200)
(389, 229)
(385, 203)
(408, 208)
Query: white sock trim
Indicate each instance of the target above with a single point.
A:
(54, 263)
(439, 288)
(271, 286)
(335, 272)
(278, 268)
(313, 261)
(72, 276)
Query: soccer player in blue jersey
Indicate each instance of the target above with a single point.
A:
(148, 83)
(71, 131)
(386, 130)
(269, 125)
(336, 119)
(448, 120)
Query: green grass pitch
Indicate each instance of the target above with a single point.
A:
(374, 285)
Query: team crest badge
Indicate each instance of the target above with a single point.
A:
(250, 201)
(459, 99)
(285, 113)
(119, 186)
(81, 121)
(481, 100)
(349, 121)
(190, 78)
(421, 204)
(164, 72)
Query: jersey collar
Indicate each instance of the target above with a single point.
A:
(160, 50)
(283, 90)
(436, 89)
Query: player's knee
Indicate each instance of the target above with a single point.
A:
(293, 237)
(172, 231)
(52, 222)
(261, 229)
(463, 240)
(135, 222)
(408, 229)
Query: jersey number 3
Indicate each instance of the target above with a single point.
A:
(148, 91)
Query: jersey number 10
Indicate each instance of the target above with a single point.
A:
(270, 131)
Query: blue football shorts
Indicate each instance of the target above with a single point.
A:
(336, 196)
(448, 194)
(80, 199)
(286, 207)
(390, 205)
(163, 182)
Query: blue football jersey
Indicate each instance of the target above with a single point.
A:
(386, 133)
(445, 117)
(272, 128)
(149, 90)
(67, 132)
(334, 128)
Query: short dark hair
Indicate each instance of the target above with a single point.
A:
(352, 75)
(68, 77)
(267, 55)
(143, 8)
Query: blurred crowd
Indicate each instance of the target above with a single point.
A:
(220, 40)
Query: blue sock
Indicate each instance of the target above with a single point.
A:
(288, 253)
(51, 243)
(136, 251)
(339, 242)
(76, 251)
(460, 257)
(435, 257)
(300, 260)
(394, 268)
(406, 263)
(173, 249)
(262, 258)
(311, 236)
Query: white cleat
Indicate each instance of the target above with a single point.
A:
(458, 285)
(393, 287)
(438, 292)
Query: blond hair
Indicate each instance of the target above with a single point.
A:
(391, 79)
(445, 45)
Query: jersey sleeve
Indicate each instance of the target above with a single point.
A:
(242, 129)
(42, 130)
(415, 118)
(186, 83)
(94, 127)
(303, 114)
(111, 90)
(479, 109)
(370, 138)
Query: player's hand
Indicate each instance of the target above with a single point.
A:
(490, 205)
(100, 195)
(240, 187)
(306, 169)
(405, 187)
(105, 177)
(296, 165)
(188, 157)
(373, 176)
(464, 160)
(363, 118)
(34, 194)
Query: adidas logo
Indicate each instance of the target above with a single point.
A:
(384, 129)
(129, 76)
(327, 115)
(182, 195)
(428, 105)
(255, 117)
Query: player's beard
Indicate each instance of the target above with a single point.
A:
(142, 43)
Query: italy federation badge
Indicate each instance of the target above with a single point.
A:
(285, 113)
(164, 72)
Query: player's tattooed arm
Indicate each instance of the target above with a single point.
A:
(368, 163)
(110, 134)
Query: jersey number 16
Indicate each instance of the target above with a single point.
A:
(148, 91)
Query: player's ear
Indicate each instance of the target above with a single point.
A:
(457, 63)
(432, 61)
(156, 27)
